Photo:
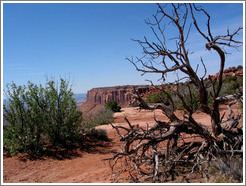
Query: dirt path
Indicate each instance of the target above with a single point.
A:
(84, 166)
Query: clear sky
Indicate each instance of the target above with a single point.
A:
(88, 43)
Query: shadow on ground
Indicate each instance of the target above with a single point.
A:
(90, 145)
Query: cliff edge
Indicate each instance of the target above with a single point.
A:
(98, 97)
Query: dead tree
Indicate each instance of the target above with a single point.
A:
(181, 145)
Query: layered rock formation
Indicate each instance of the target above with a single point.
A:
(98, 97)
(121, 94)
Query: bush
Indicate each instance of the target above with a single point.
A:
(190, 97)
(229, 79)
(159, 97)
(25, 118)
(98, 134)
(63, 120)
(35, 111)
(104, 116)
(239, 67)
(113, 105)
(162, 97)
(231, 85)
(191, 101)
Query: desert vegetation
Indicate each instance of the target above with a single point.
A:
(113, 106)
(182, 147)
(184, 131)
(37, 114)
(103, 116)
(46, 117)
(231, 85)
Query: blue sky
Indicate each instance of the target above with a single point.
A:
(88, 43)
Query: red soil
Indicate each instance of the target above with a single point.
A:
(86, 165)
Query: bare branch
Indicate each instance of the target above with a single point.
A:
(156, 153)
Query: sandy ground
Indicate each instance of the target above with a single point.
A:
(83, 166)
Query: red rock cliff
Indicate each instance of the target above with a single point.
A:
(232, 71)
(98, 97)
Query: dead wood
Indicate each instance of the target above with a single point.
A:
(171, 148)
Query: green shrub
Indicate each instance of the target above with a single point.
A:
(231, 85)
(25, 118)
(104, 116)
(63, 120)
(239, 67)
(113, 105)
(232, 88)
(191, 101)
(159, 97)
(229, 79)
(35, 111)
(99, 134)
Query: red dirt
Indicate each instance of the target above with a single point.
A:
(84, 166)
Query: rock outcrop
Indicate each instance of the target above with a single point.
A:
(98, 97)
(232, 71)
(121, 94)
